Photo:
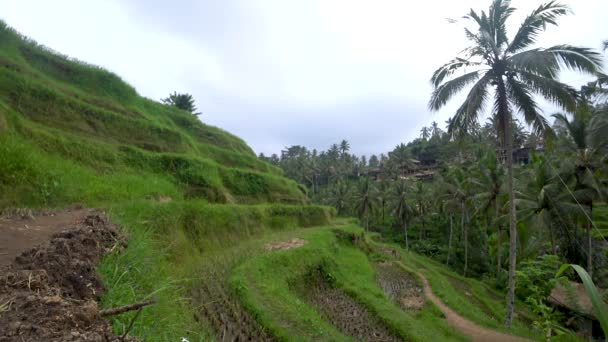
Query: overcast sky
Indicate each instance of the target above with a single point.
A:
(287, 72)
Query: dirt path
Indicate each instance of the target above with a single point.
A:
(23, 231)
(472, 330)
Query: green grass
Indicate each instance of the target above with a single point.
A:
(71, 132)
(600, 219)
(263, 284)
(171, 247)
(71, 110)
(469, 297)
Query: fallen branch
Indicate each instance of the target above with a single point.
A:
(121, 309)
(122, 338)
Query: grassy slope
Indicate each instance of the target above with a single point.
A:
(70, 110)
(71, 132)
(75, 133)
(263, 284)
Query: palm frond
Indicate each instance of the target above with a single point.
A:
(500, 11)
(521, 96)
(537, 61)
(578, 58)
(596, 130)
(486, 46)
(470, 109)
(577, 129)
(535, 23)
(448, 69)
(442, 94)
(555, 91)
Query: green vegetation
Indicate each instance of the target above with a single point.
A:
(182, 101)
(532, 189)
(182, 190)
(203, 215)
(266, 284)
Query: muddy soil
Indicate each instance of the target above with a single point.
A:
(50, 292)
(226, 316)
(399, 286)
(346, 314)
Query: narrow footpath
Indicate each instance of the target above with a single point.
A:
(472, 330)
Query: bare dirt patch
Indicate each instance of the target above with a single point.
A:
(345, 313)
(229, 320)
(50, 292)
(285, 245)
(22, 229)
(399, 286)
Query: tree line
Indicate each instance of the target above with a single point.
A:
(521, 192)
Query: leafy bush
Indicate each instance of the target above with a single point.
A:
(536, 277)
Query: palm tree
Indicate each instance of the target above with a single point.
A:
(340, 197)
(456, 186)
(403, 209)
(421, 197)
(366, 200)
(425, 133)
(344, 147)
(488, 181)
(514, 72)
(383, 196)
(581, 140)
(541, 197)
(435, 130)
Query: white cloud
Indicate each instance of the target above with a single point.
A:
(278, 72)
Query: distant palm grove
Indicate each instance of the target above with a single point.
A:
(506, 193)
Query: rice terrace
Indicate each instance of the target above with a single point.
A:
(128, 214)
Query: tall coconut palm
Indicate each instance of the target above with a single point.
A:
(582, 140)
(514, 72)
(425, 133)
(435, 130)
(457, 194)
(403, 209)
(542, 197)
(344, 147)
(421, 196)
(340, 197)
(383, 197)
(488, 181)
(366, 200)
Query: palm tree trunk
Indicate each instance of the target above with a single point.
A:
(407, 244)
(590, 242)
(422, 231)
(503, 112)
(447, 262)
(552, 235)
(466, 238)
(498, 241)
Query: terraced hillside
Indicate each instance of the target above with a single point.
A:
(75, 133)
(229, 248)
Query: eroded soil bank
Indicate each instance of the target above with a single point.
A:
(50, 291)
